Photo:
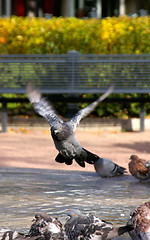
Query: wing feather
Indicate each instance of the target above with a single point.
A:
(42, 106)
(87, 110)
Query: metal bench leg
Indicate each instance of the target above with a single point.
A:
(142, 117)
(72, 109)
(4, 117)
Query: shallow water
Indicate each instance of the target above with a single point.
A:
(23, 192)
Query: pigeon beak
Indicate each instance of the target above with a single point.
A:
(56, 131)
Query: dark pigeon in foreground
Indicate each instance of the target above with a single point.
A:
(137, 168)
(140, 220)
(89, 227)
(107, 168)
(43, 228)
(63, 133)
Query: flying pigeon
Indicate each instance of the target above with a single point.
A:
(140, 220)
(107, 168)
(46, 227)
(137, 167)
(89, 227)
(63, 133)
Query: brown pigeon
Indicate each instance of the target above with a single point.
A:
(140, 220)
(137, 168)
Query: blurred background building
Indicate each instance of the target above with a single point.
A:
(74, 8)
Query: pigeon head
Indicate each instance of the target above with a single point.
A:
(75, 213)
(133, 157)
(42, 217)
(61, 132)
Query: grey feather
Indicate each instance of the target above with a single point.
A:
(63, 133)
(42, 106)
(107, 168)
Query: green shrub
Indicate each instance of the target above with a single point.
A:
(122, 35)
(59, 35)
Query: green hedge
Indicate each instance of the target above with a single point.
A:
(123, 35)
(59, 35)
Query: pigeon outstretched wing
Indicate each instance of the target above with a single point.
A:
(87, 110)
(42, 106)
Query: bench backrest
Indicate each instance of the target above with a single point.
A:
(74, 73)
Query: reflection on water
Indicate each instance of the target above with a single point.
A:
(23, 192)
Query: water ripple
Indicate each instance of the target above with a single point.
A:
(27, 191)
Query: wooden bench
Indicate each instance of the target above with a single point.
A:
(74, 74)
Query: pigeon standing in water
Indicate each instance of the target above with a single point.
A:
(63, 133)
(137, 167)
(89, 227)
(140, 220)
(107, 168)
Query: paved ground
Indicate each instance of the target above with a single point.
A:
(35, 148)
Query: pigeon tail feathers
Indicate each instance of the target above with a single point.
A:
(91, 158)
(119, 170)
(86, 156)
